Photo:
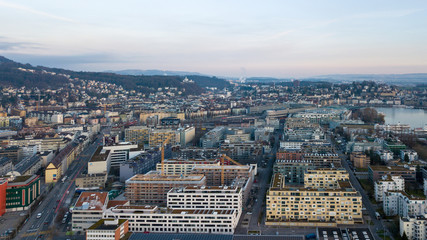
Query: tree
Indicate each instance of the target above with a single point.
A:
(404, 236)
(406, 158)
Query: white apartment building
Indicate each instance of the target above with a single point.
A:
(120, 152)
(291, 145)
(88, 210)
(412, 155)
(388, 183)
(100, 162)
(202, 197)
(400, 203)
(385, 155)
(165, 220)
(415, 227)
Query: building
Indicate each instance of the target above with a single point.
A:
(402, 204)
(184, 167)
(213, 138)
(412, 155)
(249, 150)
(108, 229)
(165, 220)
(88, 210)
(158, 137)
(359, 160)
(293, 170)
(388, 183)
(121, 152)
(385, 155)
(29, 165)
(231, 172)
(414, 227)
(196, 197)
(21, 192)
(14, 153)
(3, 187)
(327, 178)
(186, 135)
(376, 173)
(91, 181)
(5, 165)
(142, 163)
(137, 134)
(301, 206)
(100, 162)
(324, 160)
(153, 187)
(197, 153)
(59, 164)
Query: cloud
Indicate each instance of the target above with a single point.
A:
(64, 60)
(13, 46)
(34, 11)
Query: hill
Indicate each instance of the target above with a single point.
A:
(17, 75)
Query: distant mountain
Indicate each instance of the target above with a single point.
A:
(387, 78)
(154, 72)
(267, 79)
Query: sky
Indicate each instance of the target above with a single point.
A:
(223, 38)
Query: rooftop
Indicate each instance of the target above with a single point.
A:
(107, 224)
(156, 176)
(93, 201)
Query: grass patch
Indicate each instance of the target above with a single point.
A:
(416, 192)
(369, 188)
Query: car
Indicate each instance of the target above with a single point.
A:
(39, 215)
(46, 223)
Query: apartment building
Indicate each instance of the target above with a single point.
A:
(184, 167)
(300, 206)
(231, 172)
(5, 165)
(165, 220)
(293, 170)
(186, 135)
(359, 160)
(137, 134)
(120, 152)
(402, 204)
(153, 187)
(375, 173)
(212, 138)
(88, 210)
(388, 183)
(108, 229)
(158, 136)
(324, 160)
(203, 197)
(327, 178)
(415, 227)
(249, 150)
(91, 181)
(100, 162)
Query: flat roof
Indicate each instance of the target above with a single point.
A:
(360, 233)
(330, 234)
(156, 176)
(389, 168)
(172, 236)
(91, 201)
(107, 224)
(100, 155)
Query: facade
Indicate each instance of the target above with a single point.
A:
(91, 181)
(100, 162)
(158, 136)
(186, 135)
(184, 167)
(231, 172)
(376, 173)
(108, 229)
(249, 150)
(400, 203)
(3, 187)
(137, 134)
(300, 206)
(120, 152)
(195, 197)
(153, 187)
(412, 155)
(213, 138)
(415, 227)
(324, 160)
(359, 160)
(165, 220)
(21, 192)
(327, 178)
(388, 183)
(88, 210)
(293, 170)
(59, 164)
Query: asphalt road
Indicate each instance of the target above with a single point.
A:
(39, 228)
(365, 199)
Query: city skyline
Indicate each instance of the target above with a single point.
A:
(238, 39)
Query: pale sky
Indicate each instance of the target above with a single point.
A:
(225, 38)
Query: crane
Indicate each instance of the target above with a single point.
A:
(222, 156)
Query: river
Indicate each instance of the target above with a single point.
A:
(416, 118)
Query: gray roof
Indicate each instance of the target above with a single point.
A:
(164, 236)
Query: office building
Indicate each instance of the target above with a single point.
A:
(108, 229)
(88, 210)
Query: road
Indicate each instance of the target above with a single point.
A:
(365, 199)
(56, 199)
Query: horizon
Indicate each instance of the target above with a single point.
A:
(278, 39)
